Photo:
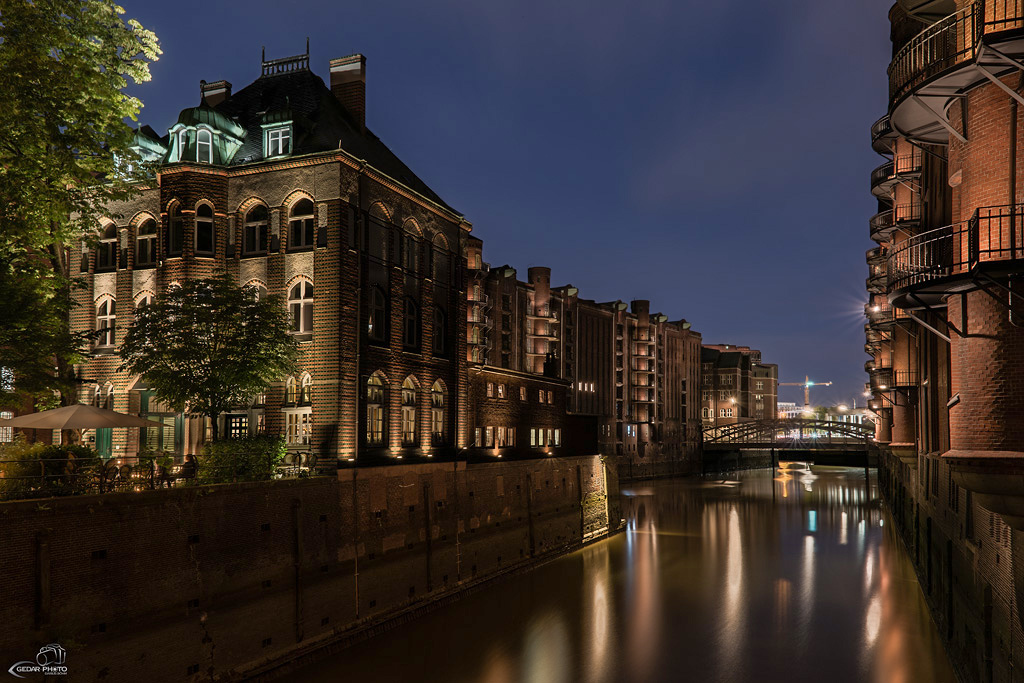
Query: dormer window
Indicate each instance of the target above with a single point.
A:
(182, 144)
(278, 141)
(204, 147)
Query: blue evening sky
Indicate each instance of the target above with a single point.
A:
(712, 157)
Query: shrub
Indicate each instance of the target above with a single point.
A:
(251, 458)
(35, 470)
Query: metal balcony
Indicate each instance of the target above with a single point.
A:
(881, 380)
(877, 256)
(904, 378)
(882, 135)
(882, 225)
(879, 315)
(882, 179)
(876, 282)
(948, 58)
(925, 267)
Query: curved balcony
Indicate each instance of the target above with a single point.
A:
(946, 59)
(879, 316)
(882, 225)
(882, 135)
(877, 256)
(876, 282)
(882, 179)
(926, 267)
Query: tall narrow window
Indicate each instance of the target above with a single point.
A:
(408, 412)
(306, 390)
(374, 411)
(105, 318)
(410, 253)
(291, 392)
(300, 303)
(204, 230)
(411, 325)
(175, 231)
(204, 147)
(182, 144)
(437, 413)
(106, 252)
(300, 233)
(377, 327)
(440, 331)
(145, 244)
(254, 240)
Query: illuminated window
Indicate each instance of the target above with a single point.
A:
(278, 141)
(490, 390)
(106, 252)
(299, 426)
(175, 231)
(291, 391)
(237, 426)
(306, 390)
(254, 238)
(501, 391)
(522, 393)
(106, 315)
(408, 412)
(437, 413)
(145, 244)
(300, 304)
(375, 411)
(6, 433)
(300, 233)
(204, 147)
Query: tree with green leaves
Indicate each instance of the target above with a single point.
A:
(209, 346)
(65, 155)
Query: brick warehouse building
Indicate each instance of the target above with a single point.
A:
(944, 311)
(282, 185)
(632, 373)
(736, 386)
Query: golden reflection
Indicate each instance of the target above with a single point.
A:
(546, 654)
(806, 593)
(782, 590)
(598, 619)
(644, 595)
(732, 626)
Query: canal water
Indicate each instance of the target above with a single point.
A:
(788, 576)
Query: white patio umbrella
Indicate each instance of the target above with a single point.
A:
(78, 416)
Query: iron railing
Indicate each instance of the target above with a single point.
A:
(909, 164)
(881, 174)
(877, 255)
(950, 42)
(904, 378)
(993, 233)
(881, 222)
(881, 128)
(881, 379)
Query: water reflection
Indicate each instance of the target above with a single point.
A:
(784, 576)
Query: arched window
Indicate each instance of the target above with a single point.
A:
(182, 143)
(440, 259)
(175, 231)
(143, 300)
(375, 411)
(204, 230)
(411, 324)
(106, 252)
(306, 390)
(438, 406)
(300, 303)
(97, 396)
(378, 322)
(300, 233)
(291, 395)
(107, 401)
(410, 252)
(204, 147)
(145, 244)
(408, 412)
(254, 240)
(440, 331)
(105, 317)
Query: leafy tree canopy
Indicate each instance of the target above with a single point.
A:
(209, 346)
(65, 150)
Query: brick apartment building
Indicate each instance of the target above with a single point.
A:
(944, 314)
(736, 386)
(633, 372)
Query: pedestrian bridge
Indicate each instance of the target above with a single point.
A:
(818, 441)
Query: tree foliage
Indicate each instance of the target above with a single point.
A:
(65, 150)
(209, 346)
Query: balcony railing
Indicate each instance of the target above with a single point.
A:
(909, 164)
(941, 46)
(881, 222)
(876, 256)
(880, 131)
(881, 380)
(881, 175)
(904, 378)
(992, 234)
(950, 42)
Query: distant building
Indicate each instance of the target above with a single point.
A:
(736, 385)
(789, 411)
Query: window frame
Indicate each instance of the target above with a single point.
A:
(151, 241)
(200, 142)
(106, 249)
(106, 323)
(301, 309)
(284, 132)
(208, 225)
(260, 232)
(302, 225)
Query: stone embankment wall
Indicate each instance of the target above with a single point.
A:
(189, 583)
(969, 562)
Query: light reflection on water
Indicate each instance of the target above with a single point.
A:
(753, 579)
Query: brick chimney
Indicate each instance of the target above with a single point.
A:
(348, 83)
(216, 92)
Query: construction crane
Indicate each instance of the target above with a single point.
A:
(806, 384)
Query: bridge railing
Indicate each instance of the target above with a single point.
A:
(788, 431)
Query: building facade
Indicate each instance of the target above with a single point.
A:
(943, 316)
(282, 186)
(736, 385)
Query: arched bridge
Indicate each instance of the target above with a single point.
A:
(802, 439)
(788, 433)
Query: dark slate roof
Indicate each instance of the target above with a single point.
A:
(319, 122)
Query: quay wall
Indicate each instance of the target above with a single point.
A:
(969, 561)
(236, 580)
